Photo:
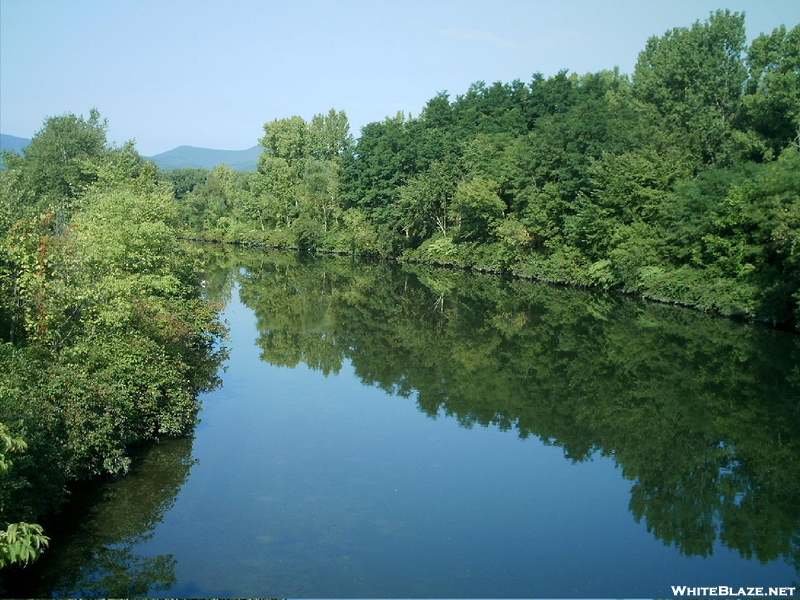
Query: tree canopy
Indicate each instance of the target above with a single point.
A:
(104, 338)
(674, 183)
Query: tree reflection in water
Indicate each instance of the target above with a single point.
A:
(702, 414)
(95, 556)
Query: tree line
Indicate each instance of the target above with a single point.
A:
(105, 340)
(678, 183)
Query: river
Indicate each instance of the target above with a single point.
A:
(388, 430)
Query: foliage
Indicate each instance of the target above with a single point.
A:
(10, 444)
(21, 543)
(184, 181)
(60, 161)
(694, 77)
(772, 104)
(426, 202)
(597, 179)
(479, 208)
(108, 340)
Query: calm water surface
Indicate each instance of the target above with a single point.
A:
(388, 431)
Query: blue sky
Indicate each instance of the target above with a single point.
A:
(211, 73)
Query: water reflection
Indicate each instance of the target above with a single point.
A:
(702, 414)
(94, 552)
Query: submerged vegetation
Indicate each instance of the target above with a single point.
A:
(679, 183)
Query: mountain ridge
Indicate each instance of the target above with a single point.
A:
(11, 142)
(192, 157)
(182, 157)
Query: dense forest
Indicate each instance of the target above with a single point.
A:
(104, 338)
(680, 182)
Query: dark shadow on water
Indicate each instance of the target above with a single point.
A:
(95, 535)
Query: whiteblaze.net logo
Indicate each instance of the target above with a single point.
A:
(733, 592)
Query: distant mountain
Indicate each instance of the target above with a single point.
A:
(182, 157)
(189, 157)
(13, 143)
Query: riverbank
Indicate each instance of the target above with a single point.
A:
(524, 271)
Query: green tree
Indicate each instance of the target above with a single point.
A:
(426, 201)
(695, 77)
(773, 88)
(329, 135)
(321, 190)
(479, 209)
(184, 181)
(299, 173)
(210, 205)
(384, 162)
(59, 164)
(287, 139)
(109, 340)
(498, 108)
